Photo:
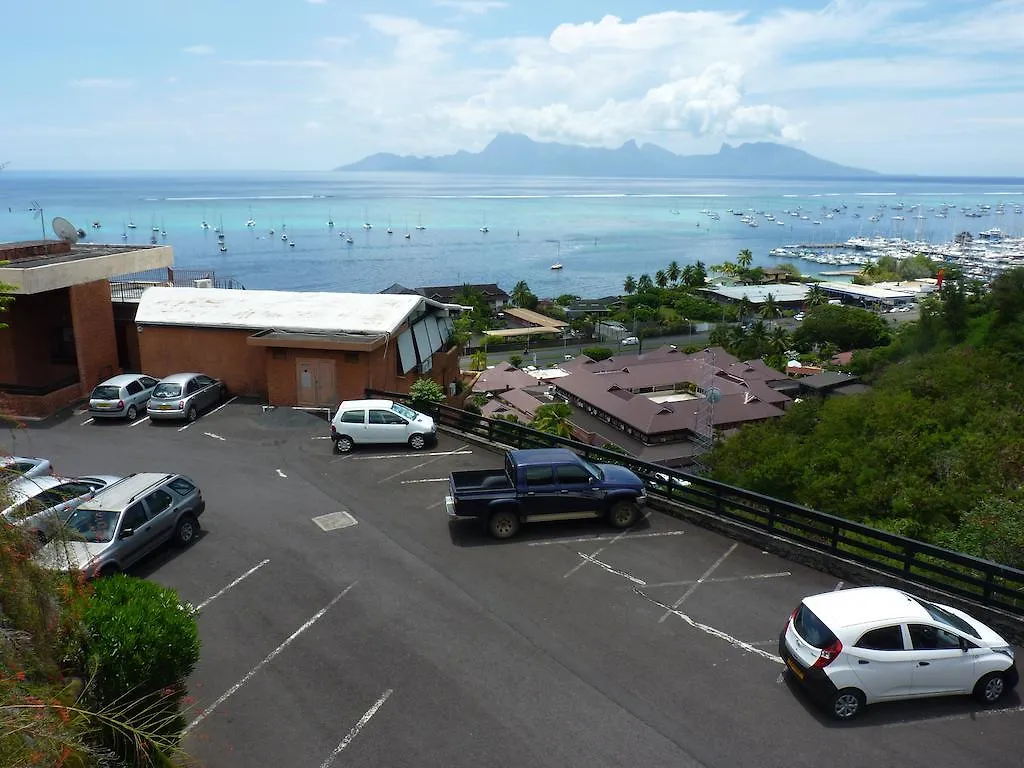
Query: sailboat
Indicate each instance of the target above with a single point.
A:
(389, 230)
(330, 220)
(407, 235)
(251, 222)
(484, 228)
(558, 252)
(124, 231)
(204, 225)
(419, 224)
(366, 220)
(163, 229)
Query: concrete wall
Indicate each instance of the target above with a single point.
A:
(222, 353)
(92, 315)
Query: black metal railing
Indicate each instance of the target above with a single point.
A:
(981, 581)
(130, 287)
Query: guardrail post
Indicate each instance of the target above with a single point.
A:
(834, 544)
(908, 558)
(987, 593)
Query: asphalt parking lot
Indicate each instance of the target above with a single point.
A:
(344, 622)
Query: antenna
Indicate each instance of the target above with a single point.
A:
(705, 438)
(37, 211)
(65, 230)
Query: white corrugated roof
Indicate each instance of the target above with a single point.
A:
(297, 312)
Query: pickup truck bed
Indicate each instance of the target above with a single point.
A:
(545, 484)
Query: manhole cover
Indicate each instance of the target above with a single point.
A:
(334, 521)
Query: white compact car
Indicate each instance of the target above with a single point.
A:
(380, 421)
(859, 646)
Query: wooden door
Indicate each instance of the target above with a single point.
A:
(315, 385)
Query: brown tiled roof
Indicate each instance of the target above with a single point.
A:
(501, 377)
(447, 293)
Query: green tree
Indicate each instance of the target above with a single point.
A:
(720, 336)
(661, 278)
(1007, 296)
(644, 284)
(598, 353)
(629, 285)
(994, 530)
(816, 296)
(700, 275)
(954, 309)
(566, 299)
(744, 307)
(425, 394)
(479, 360)
(515, 360)
(673, 272)
(845, 327)
(521, 294)
(770, 308)
(745, 259)
(553, 418)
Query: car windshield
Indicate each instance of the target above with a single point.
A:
(941, 615)
(93, 525)
(593, 469)
(167, 389)
(106, 392)
(401, 410)
(812, 629)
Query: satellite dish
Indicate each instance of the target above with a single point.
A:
(65, 230)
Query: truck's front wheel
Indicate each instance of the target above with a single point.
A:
(623, 514)
(504, 524)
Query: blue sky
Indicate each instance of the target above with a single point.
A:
(899, 86)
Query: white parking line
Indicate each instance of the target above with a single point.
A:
(357, 728)
(320, 437)
(585, 539)
(87, 421)
(222, 405)
(421, 464)
(839, 586)
(436, 504)
(611, 541)
(605, 566)
(237, 581)
(698, 582)
(281, 474)
(425, 480)
(139, 421)
(410, 455)
(215, 437)
(965, 716)
(270, 657)
(733, 641)
(723, 580)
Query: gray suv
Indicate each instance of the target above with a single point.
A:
(125, 522)
(123, 396)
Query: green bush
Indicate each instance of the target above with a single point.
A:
(141, 645)
(598, 353)
(425, 393)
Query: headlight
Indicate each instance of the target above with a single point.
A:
(1005, 650)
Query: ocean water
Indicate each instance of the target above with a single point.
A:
(600, 230)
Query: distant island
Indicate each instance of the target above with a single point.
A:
(510, 154)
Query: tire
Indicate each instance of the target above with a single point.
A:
(623, 514)
(109, 570)
(185, 531)
(846, 704)
(133, 412)
(417, 442)
(343, 444)
(192, 414)
(503, 524)
(991, 688)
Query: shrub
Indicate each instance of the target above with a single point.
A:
(598, 353)
(141, 645)
(425, 393)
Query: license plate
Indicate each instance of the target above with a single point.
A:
(796, 670)
(165, 406)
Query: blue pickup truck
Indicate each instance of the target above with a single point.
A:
(545, 484)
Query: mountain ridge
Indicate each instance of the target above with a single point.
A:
(512, 154)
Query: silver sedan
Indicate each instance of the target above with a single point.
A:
(184, 396)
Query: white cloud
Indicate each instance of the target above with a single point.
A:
(281, 63)
(414, 41)
(198, 50)
(475, 7)
(102, 83)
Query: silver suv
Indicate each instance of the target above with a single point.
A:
(121, 397)
(125, 522)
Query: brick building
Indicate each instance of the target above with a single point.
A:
(308, 349)
(61, 340)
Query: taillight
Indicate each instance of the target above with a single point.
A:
(334, 431)
(828, 654)
(120, 404)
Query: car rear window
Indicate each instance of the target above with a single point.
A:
(181, 486)
(811, 628)
(167, 390)
(353, 417)
(106, 393)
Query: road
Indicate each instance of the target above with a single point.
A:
(345, 623)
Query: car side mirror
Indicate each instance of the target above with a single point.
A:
(126, 533)
(964, 646)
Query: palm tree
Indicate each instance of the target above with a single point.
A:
(644, 284)
(700, 275)
(770, 309)
(816, 296)
(630, 285)
(758, 336)
(673, 272)
(661, 278)
(745, 258)
(687, 275)
(779, 340)
(743, 307)
(720, 336)
(553, 418)
(521, 293)
(479, 360)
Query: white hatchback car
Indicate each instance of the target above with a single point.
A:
(859, 646)
(380, 421)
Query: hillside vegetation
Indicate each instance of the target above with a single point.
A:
(934, 451)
